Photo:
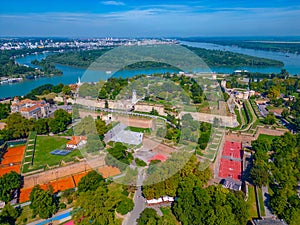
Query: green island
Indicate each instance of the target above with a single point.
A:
(213, 58)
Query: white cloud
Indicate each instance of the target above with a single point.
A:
(116, 3)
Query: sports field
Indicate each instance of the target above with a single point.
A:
(12, 159)
(46, 144)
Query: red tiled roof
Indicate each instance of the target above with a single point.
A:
(75, 140)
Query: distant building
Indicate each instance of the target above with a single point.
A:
(268, 221)
(244, 95)
(240, 71)
(251, 93)
(120, 134)
(76, 142)
(30, 109)
(165, 199)
(231, 184)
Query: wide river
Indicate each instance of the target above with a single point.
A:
(71, 74)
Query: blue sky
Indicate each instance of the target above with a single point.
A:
(141, 18)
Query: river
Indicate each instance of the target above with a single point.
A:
(71, 74)
(291, 61)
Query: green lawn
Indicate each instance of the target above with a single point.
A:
(265, 137)
(169, 217)
(244, 116)
(261, 202)
(138, 129)
(251, 116)
(238, 118)
(46, 144)
(252, 203)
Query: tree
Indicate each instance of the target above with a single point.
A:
(8, 183)
(60, 121)
(66, 90)
(90, 182)
(106, 104)
(274, 92)
(4, 111)
(259, 175)
(148, 216)
(58, 88)
(97, 207)
(75, 112)
(270, 119)
(17, 126)
(101, 127)
(94, 143)
(42, 203)
(285, 112)
(125, 206)
(8, 215)
(41, 126)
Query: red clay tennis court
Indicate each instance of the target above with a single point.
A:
(8, 169)
(109, 171)
(19, 150)
(77, 177)
(25, 193)
(230, 168)
(62, 184)
(12, 160)
(232, 149)
(158, 156)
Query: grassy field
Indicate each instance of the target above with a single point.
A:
(169, 217)
(138, 129)
(26, 216)
(265, 137)
(238, 118)
(244, 116)
(261, 202)
(247, 105)
(252, 203)
(46, 144)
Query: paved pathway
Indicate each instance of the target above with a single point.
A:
(58, 216)
(266, 198)
(139, 202)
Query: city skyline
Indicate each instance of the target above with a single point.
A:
(149, 18)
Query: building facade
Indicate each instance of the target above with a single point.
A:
(30, 109)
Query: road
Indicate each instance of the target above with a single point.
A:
(139, 202)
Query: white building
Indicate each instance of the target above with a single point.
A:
(76, 142)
